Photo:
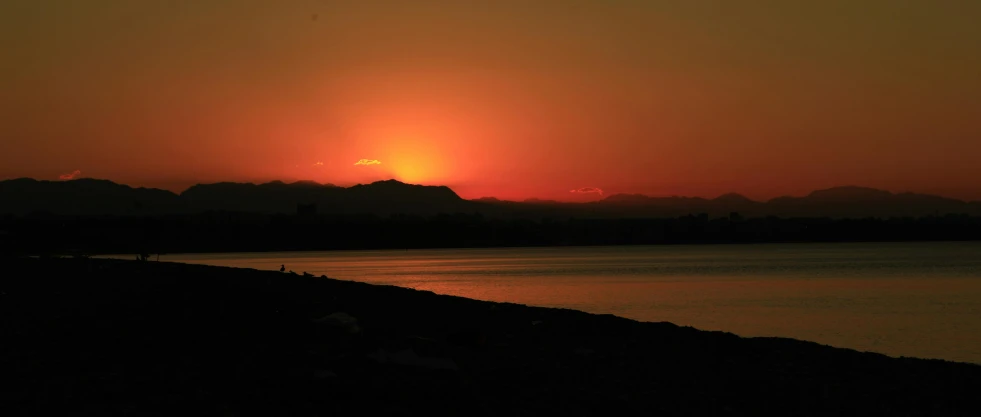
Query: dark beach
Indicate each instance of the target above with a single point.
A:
(105, 337)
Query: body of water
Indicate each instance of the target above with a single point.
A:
(901, 299)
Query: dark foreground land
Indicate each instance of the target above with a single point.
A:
(99, 337)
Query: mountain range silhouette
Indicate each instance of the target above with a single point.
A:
(102, 197)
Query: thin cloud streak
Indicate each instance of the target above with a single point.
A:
(368, 162)
(587, 190)
(66, 177)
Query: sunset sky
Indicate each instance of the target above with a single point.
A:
(506, 98)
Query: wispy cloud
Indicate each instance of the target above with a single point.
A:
(368, 162)
(318, 164)
(587, 190)
(71, 176)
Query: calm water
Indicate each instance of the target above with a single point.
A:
(901, 299)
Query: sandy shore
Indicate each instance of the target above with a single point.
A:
(103, 337)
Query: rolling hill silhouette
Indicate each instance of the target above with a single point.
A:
(273, 197)
(838, 202)
(101, 197)
(867, 202)
(84, 197)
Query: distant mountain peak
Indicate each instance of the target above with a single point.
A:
(309, 184)
(623, 197)
(399, 190)
(850, 192)
(732, 198)
(391, 183)
(539, 201)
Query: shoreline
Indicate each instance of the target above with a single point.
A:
(108, 336)
(657, 245)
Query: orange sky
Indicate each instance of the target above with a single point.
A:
(509, 98)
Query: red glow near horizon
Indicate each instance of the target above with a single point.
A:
(510, 100)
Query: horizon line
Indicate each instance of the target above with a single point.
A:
(605, 197)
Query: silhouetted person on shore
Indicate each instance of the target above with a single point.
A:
(282, 268)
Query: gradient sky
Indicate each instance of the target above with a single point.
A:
(505, 98)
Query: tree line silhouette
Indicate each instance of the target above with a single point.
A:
(237, 231)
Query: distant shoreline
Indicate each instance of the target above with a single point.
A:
(242, 232)
(127, 256)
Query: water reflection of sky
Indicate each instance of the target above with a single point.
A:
(920, 299)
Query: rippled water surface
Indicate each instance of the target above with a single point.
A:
(901, 299)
